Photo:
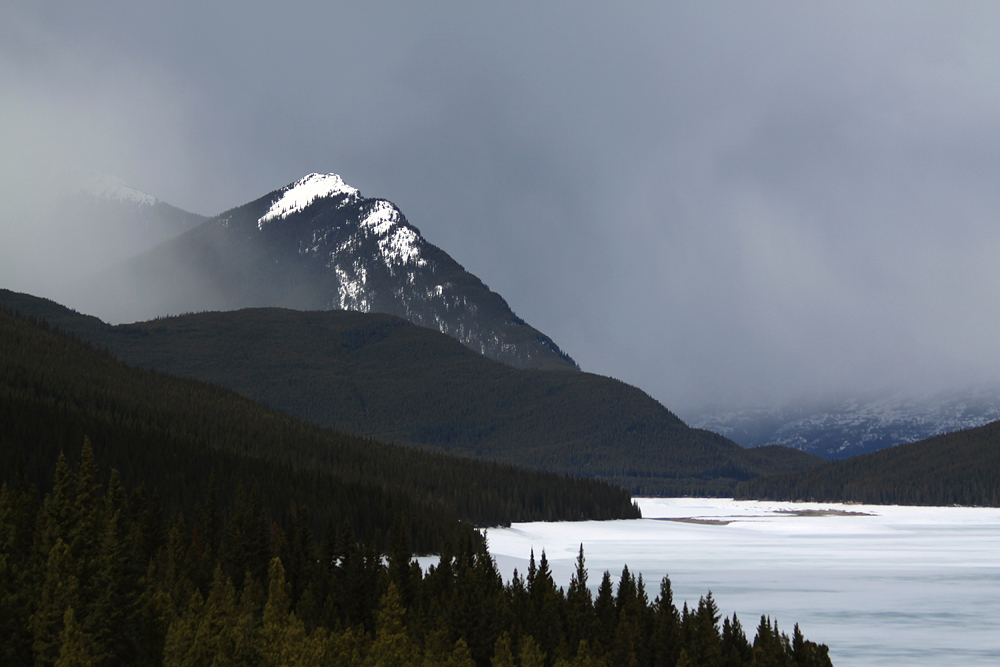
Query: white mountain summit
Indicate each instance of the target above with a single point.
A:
(303, 192)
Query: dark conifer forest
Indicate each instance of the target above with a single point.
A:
(152, 520)
(170, 435)
(96, 574)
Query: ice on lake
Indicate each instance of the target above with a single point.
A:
(880, 585)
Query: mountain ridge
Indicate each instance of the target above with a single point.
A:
(960, 468)
(840, 428)
(377, 375)
(318, 244)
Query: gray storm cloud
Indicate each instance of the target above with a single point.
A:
(714, 202)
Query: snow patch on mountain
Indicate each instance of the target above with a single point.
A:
(380, 219)
(401, 247)
(397, 242)
(351, 288)
(303, 192)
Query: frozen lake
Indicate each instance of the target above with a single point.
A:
(881, 585)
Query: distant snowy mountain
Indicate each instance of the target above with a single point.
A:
(106, 209)
(318, 244)
(80, 223)
(839, 429)
(100, 220)
(107, 188)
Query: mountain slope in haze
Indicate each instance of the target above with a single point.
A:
(169, 434)
(380, 376)
(97, 220)
(960, 468)
(317, 244)
(842, 428)
(72, 224)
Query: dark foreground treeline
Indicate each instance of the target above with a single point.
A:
(166, 434)
(960, 468)
(94, 575)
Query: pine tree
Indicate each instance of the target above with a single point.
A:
(392, 646)
(770, 649)
(581, 621)
(666, 635)
(111, 595)
(604, 608)
(544, 619)
(401, 566)
(75, 648)
(154, 613)
(276, 613)
(531, 654)
(60, 591)
(705, 648)
(437, 643)
(461, 656)
(85, 533)
(59, 514)
(247, 640)
(299, 554)
(181, 637)
(736, 650)
(630, 604)
(502, 655)
(808, 654)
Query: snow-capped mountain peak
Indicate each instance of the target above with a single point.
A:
(303, 192)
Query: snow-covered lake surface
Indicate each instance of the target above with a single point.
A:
(881, 585)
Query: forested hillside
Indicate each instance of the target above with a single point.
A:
(94, 575)
(170, 435)
(960, 468)
(380, 376)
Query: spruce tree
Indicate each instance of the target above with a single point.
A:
(75, 647)
(531, 654)
(59, 591)
(461, 656)
(392, 646)
(666, 634)
(180, 642)
(705, 648)
(502, 654)
(581, 621)
(736, 649)
(59, 514)
(544, 619)
(604, 609)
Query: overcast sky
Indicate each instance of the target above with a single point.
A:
(712, 201)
